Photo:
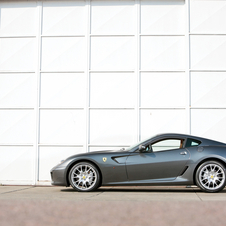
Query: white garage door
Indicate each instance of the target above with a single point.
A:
(80, 76)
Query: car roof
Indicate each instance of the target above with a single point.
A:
(204, 141)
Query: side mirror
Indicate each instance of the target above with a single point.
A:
(141, 148)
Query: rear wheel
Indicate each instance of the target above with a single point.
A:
(210, 176)
(84, 176)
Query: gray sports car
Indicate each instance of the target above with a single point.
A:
(165, 159)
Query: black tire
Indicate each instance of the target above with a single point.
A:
(210, 176)
(84, 177)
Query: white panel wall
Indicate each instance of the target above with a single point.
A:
(111, 127)
(208, 52)
(63, 18)
(18, 27)
(112, 53)
(17, 90)
(16, 164)
(162, 89)
(63, 54)
(115, 90)
(208, 17)
(157, 52)
(208, 68)
(64, 91)
(155, 121)
(79, 76)
(208, 89)
(163, 17)
(17, 54)
(113, 17)
(18, 18)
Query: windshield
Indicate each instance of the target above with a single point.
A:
(137, 144)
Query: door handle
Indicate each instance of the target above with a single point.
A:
(183, 153)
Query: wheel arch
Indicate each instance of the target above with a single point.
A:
(82, 160)
(205, 160)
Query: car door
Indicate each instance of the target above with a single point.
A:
(165, 160)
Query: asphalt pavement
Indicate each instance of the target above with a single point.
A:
(30, 205)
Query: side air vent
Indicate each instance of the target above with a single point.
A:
(120, 159)
(186, 167)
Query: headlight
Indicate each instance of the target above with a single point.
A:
(61, 162)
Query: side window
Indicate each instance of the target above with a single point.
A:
(192, 143)
(168, 144)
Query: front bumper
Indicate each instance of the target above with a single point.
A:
(58, 177)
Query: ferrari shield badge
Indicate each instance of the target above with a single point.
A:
(104, 159)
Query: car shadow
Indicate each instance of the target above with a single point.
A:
(145, 190)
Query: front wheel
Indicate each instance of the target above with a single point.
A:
(84, 176)
(210, 176)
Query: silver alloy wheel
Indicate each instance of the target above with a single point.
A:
(212, 176)
(83, 176)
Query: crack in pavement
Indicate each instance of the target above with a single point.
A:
(16, 190)
(197, 195)
(99, 193)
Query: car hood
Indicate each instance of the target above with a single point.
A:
(98, 153)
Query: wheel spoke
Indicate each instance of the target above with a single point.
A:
(207, 184)
(218, 170)
(217, 179)
(215, 183)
